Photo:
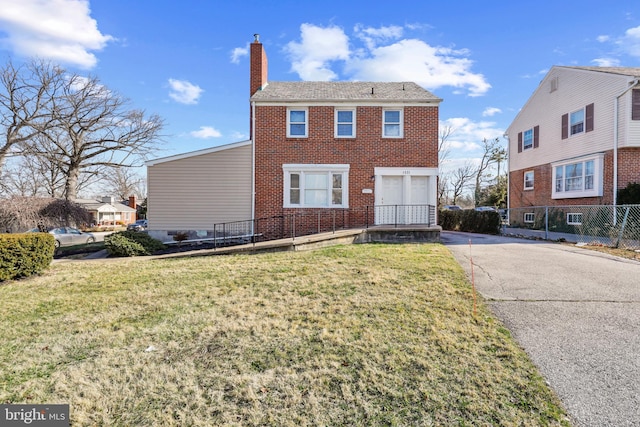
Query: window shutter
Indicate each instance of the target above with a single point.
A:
(536, 138)
(565, 126)
(588, 119)
(635, 104)
(519, 142)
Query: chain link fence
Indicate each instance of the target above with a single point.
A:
(613, 226)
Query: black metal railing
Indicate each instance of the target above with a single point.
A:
(298, 223)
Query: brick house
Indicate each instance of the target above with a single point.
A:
(315, 147)
(576, 141)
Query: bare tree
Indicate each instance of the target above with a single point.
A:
(461, 179)
(489, 148)
(443, 148)
(124, 182)
(95, 130)
(74, 123)
(25, 94)
(443, 189)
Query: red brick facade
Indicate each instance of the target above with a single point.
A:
(368, 150)
(628, 172)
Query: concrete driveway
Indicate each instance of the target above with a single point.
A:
(576, 313)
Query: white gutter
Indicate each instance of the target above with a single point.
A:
(253, 165)
(615, 140)
(506, 135)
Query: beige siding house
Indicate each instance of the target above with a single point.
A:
(196, 190)
(577, 139)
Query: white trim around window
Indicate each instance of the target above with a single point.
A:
(577, 121)
(345, 122)
(575, 178)
(527, 139)
(529, 217)
(574, 218)
(316, 186)
(297, 122)
(392, 123)
(528, 180)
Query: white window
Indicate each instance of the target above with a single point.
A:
(574, 218)
(576, 121)
(316, 186)
(345, 123)
(392, 123)
(297, 122)
(528, 180)
(578, 178)
(529, 217)
(527, 139)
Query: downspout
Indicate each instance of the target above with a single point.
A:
(253, 165)
(615, 140)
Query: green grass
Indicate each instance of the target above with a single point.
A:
(361, 335)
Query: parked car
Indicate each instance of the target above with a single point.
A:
(486, 209)
(451, 208)
(139, 225)
(69, 236)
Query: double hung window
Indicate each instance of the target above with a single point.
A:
(527, 140)
(297, 123)
(345, 123)
(392, 123)
(576, 121)
(528, 180)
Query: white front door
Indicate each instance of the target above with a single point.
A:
(391, 197)
(404, 195)
(418, 212)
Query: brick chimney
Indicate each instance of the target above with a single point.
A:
(258, 65)
(133, 205)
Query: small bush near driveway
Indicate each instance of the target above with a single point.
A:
(131, 243)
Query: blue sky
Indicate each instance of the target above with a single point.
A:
(188, 61)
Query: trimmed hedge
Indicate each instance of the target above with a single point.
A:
(131, 243)
(25, 254)
(470, 220)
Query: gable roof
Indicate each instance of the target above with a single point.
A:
(625, 71)
(97, 205)
(197, 153)
(344, 91)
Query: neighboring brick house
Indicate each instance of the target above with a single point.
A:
(577, 139)
(314, 147)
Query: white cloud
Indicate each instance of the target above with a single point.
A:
(184, 92)
(630, 42)
(466, 135)
(238, 53)
(606, 62)
(491, 111)
(311, 57)
(384, 57)
(205, 132)
(373, 36)
(59, 30)
(603, 38)
(238, 136)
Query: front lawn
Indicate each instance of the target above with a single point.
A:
(360, 335)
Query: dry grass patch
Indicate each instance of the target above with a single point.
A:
(349, 335)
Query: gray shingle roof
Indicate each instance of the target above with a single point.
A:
(344, 91)
(625, 71)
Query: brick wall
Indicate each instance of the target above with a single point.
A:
(628, 172)
(418, 148)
